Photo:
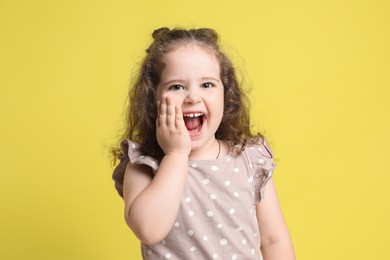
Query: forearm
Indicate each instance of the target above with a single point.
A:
(154, 210)
(278, 250)
(276, 242)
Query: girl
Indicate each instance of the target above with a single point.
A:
(191, 173)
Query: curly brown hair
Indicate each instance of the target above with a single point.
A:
(141, 115)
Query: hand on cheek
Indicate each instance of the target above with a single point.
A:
(172, 134)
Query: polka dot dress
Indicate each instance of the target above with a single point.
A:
(217, 215)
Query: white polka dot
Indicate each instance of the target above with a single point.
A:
(163, 242)
(214, 168)
(232, 211)
(215, 256)
(219, 226)
(133, 146)
(210, 213)
(194, 165)
(190, 232)
(234, 257)
(243, 241)
(228, 159)
(251, 148)
(141, 157)
(240, 228)
(206, 181)
(227, 183)
(252, 251)
(191, 213)
(213, 196)
(205, 238)
(149, 252)
(187, 199)
(177, 224)
(236, 170)
(251, 166)
(255, 234)
(250, 179)
(167, 256)
(236, 194)
(261, 161)
(269, 173)
(223, 242)
(193, 249)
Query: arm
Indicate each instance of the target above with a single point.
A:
(275, 239)
(152, 203)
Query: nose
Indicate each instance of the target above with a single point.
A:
(192, 96)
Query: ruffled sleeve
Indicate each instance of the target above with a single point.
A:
(262, 164)
(130, 153)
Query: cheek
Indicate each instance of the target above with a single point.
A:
(218, 101)
(177, 100)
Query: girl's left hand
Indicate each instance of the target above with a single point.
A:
(171, 132)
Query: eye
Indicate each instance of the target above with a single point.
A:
(176, 87)
(207, 85)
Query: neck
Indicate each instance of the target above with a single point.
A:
(210, 151)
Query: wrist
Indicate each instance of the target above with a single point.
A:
(174, 163)
(177, 156)
(177, 160)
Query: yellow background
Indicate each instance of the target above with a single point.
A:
(319, 72)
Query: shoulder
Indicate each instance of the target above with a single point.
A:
(259, 148)
(132, 150)
(261, 161)
(132, 158)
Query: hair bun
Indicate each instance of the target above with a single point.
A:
(158, 33)
(207, 34)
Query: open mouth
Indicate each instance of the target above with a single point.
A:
(193, 122)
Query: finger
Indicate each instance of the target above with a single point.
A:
(170, 112)
(158, 113)
(163, 111)
(178, 117)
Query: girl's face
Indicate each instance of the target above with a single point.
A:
(191, 76)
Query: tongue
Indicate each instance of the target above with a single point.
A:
(192, 122)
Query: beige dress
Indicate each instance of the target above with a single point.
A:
(217, 215)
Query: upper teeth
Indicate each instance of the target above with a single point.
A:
(193, 114)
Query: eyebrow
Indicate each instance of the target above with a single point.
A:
(211, 78)
(173, 81)
(183, 81)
